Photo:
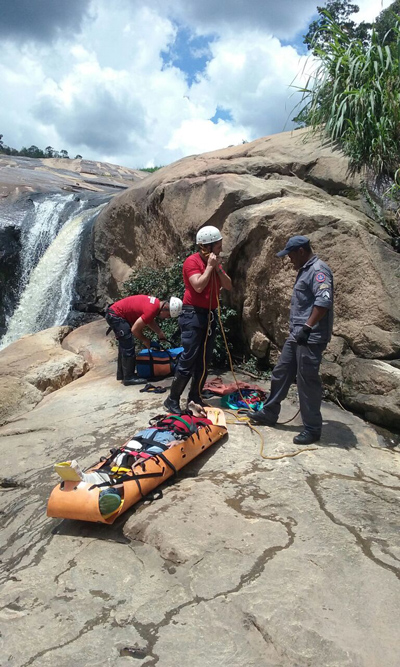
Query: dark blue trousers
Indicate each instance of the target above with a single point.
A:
(195, 334)
(123, 334)
(301, 362)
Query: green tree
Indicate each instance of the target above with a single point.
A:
(339, 11)
(385, 23)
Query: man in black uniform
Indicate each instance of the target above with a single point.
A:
(311, 320)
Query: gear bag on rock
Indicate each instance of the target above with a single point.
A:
(157, 363)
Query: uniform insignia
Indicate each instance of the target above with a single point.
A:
(326, 295)
(320, 277)
(323, 286)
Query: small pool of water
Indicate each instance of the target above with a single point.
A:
(386, 438)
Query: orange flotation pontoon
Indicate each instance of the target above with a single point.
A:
(75, 499)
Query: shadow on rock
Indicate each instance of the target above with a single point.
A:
(334, 434)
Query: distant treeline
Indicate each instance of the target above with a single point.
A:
(34, 151)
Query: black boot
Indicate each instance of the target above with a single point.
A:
(128, 370)
(306, 438)
(120, 374)
(178, 385)
(260, 417)
(196, 388)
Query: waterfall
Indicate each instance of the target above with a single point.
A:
(49, 286)
(36, 237)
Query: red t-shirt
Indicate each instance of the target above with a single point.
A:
(133, 307)
(193, 265)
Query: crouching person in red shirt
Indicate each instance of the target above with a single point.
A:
(203, 277)
(127, 318)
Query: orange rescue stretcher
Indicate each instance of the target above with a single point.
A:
(80, 500)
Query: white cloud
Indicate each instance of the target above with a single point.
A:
(106, 93)
(250, 76)
(200, 135)
(369, 9)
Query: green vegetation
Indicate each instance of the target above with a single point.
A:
(352, 98)
(318, 35)
(34, 151)
(385, 22)
(151, 169)
(166, 282)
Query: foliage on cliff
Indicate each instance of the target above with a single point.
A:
(166, 282)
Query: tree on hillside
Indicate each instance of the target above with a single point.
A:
(33, 151)
(339, 11)
(385, 23)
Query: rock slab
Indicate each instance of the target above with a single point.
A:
(244, 560)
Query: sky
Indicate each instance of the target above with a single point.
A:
(142, 83)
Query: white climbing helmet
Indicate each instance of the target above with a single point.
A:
(207, 235)
(175, 306)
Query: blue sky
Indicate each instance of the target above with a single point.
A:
(146, 82)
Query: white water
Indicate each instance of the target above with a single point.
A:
(47, 297)
(39, 235)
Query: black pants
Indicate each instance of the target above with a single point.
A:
(301, 362)
(123, 333)
(195, 335)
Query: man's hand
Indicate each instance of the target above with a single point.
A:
(162, 336)
(212, 260)
(303, 335)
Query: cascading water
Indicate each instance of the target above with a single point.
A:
(49, 283)
(36, 238)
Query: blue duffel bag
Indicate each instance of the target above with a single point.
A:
(155, 364)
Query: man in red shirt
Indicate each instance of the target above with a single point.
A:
(127, 318)
(203, 277)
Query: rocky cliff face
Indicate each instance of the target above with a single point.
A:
(259, 194)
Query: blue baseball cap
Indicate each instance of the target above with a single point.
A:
(294, 243)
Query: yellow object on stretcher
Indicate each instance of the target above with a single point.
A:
(75, 499)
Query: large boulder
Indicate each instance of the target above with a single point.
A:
(33, 367)
(259, 194)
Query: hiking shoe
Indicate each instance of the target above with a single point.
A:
(306, 438)
(260, 417)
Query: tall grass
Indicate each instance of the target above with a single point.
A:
(353, 98)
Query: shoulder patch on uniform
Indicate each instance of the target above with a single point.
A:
(320, 277)
(323, 286)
